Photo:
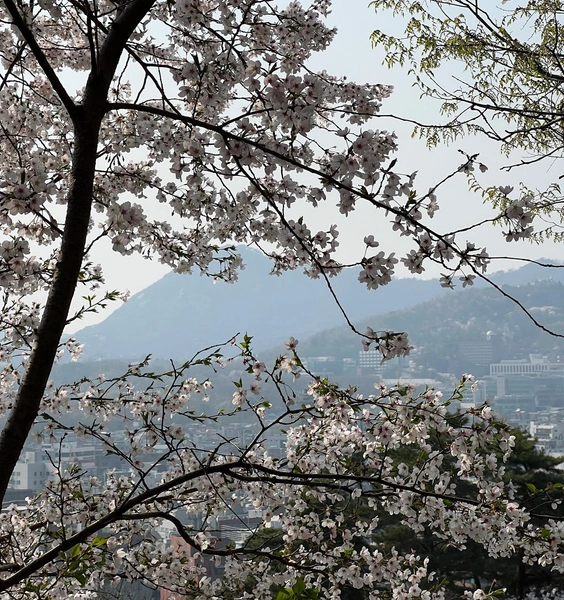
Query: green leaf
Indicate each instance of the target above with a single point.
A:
(98, 541)
(299, 586)
(246, 343)
(74, 565)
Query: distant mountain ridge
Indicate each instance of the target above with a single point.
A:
(439, 329)
(181, 314)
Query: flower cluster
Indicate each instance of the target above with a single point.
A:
(208, 112)
(342, 456)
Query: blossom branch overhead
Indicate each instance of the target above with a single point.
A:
(209, 109)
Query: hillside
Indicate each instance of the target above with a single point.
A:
(180, 314)
(439, 328)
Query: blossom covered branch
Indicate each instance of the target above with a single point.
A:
(209, 110)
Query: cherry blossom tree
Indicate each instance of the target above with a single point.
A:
(209, 108)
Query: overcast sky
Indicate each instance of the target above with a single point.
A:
(353, 56)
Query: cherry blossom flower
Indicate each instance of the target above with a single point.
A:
(212, 111)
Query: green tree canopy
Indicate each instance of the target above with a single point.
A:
(496, 70)
(537, 483)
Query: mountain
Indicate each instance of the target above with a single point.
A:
(181, 314)
(458, 330)
(530, 273)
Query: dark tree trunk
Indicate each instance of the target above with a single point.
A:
(87, 119)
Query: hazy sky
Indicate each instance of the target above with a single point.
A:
(353, 56)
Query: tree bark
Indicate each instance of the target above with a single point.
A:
(87, 119)
(53, 321)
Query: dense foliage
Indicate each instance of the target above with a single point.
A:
(496, 70)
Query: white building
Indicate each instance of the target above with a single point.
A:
(30, 473)
(549, 436)
(537, 363)
(537, 366)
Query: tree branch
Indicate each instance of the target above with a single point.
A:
(40, 57)
(87, 121)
